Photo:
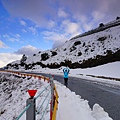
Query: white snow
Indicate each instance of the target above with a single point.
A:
(70, 106)
(13, 95)
(107, 70)
(89, 47)
(13, 90)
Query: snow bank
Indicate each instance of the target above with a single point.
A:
(107, 70)
(72, 107)
(13, 92)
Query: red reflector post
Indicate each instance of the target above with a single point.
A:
(32, 93)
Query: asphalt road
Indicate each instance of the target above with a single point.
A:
(107, 96)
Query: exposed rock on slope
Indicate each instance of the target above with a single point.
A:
(86, 50)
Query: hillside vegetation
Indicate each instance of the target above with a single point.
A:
(93, 48)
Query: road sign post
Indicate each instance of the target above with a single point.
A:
(30, 113)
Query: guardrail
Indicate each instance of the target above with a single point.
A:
(26, 75)
(30, 108)
(55, 103)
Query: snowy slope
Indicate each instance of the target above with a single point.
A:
(13, 92)
(87, 51)
(13, 95)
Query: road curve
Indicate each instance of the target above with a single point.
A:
(106, 96)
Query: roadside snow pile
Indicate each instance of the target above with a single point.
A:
(106, 70)
(13, 92)
(72, 107)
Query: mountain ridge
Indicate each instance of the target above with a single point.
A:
(82, 51)
(100, 28)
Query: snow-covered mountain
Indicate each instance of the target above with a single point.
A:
(92, 48)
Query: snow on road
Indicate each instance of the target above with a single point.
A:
(13, 94)
(13, 91)
(72, 107)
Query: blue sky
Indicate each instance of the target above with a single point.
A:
(28, 26)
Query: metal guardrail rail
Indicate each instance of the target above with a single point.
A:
(31, 107)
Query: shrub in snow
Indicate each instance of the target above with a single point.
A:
(102, 38)
(34, 54)
(86, 50)
(44, 56)
(39, 52)
(101, 25)
(53, 65)
(92, 50)
(54, 53)
(83, 44)
(72, 48)
(77, 43)
(64, 49)
(29, 66)
(9, 65)
(16, 66)
(79, 53)
(117, 18)
(23, 59)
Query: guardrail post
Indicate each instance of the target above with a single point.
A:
(52, 97)
(30, 113)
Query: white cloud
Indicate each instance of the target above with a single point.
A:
(51, 24)
(6, 36)
(13, 38)
(62, 13)
(23, 30)
(97, 16)
(33, 30)
(82, 15)
(87, 27)
(27, 50)
(57, 38)
(22, 22)
(6, 58)
(2, 45)
(34, 10)
(70, 28)
(2, 63)
(51, 35)
(40, 12)
(17, 36)
(66, 30)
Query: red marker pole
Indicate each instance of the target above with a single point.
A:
(39, 77)
(30, 113)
